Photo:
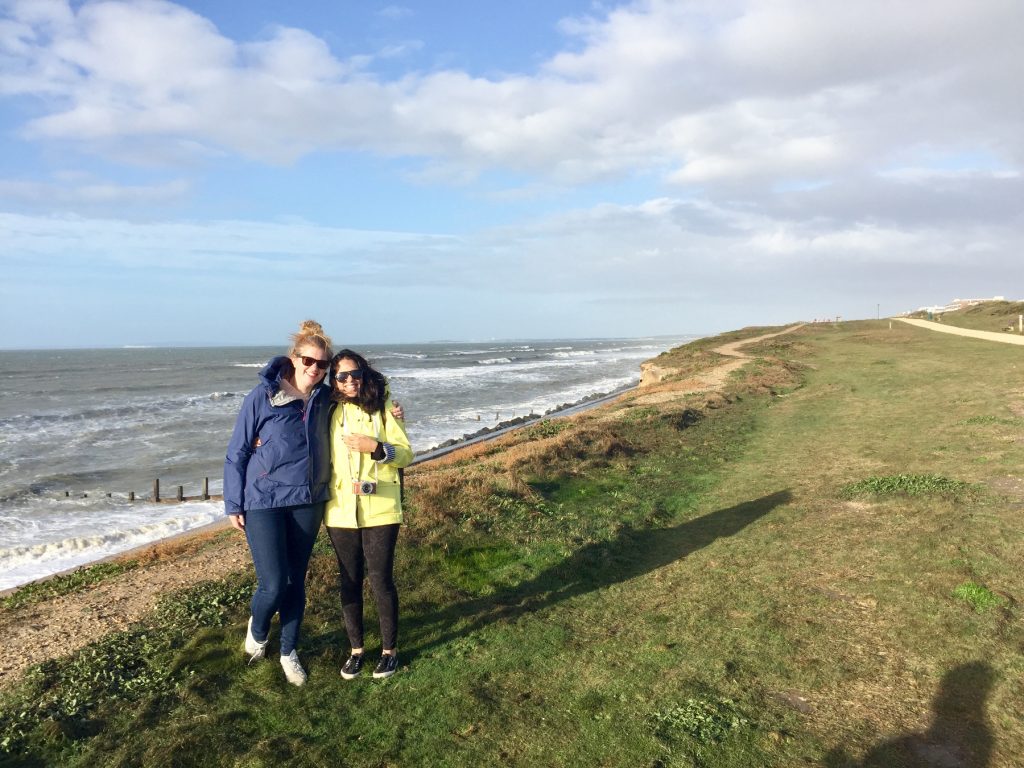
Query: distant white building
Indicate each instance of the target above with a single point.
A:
(954, 305)
(961, 303)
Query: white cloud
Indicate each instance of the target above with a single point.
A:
(659, 247)
(293, 59)
(662, 264)
(70, 190)
(763, 90)
(284, 247)
(395, 12)
(820, 148)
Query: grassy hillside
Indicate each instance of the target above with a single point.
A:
(819, 565)
(987, 316)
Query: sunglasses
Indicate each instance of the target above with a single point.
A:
(321, 364)
(343, 376)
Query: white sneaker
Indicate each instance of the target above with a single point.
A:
(293, 669)
(255, 649)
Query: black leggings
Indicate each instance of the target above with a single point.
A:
(374, 550)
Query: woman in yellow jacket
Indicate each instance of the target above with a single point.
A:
(364, 512)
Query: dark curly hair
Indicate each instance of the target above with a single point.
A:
(373, 393)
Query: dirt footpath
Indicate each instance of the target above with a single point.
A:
(1005, 338)
(711, 380)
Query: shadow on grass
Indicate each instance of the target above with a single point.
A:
(958, 737)
(633, 553)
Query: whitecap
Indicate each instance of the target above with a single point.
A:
(22, 564)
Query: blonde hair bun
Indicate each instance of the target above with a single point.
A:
(311, 327)
(311, 332)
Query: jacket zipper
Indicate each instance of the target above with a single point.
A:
(306, 407)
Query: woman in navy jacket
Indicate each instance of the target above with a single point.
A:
(276, 480)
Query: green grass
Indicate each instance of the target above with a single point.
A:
(993, 421)
(980, 598)
(906, 485)
(508, 590)
(62, 703)
(650, 588)
(547, 428)
(706, 722)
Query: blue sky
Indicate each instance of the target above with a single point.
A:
(213, 173)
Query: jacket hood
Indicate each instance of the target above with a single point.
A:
(274, 371)
(277, 369)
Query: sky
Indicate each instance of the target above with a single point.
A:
(214, 173)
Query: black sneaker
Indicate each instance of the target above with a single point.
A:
(386, 666)
(353, 666)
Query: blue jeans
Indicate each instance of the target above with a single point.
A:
(281, 541)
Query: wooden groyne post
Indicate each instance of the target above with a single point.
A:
(179, 495)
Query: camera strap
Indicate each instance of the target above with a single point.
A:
(354, 473)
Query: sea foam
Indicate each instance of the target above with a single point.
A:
(103, 423)
(22, 564)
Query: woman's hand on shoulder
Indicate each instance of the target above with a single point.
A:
(360, 443)
(397, 410)
(237, 521)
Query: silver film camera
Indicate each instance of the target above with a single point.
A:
(363, 488)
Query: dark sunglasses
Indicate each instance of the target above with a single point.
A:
(321, 364)
(343, 376)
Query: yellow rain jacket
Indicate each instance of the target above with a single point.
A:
(344, 508)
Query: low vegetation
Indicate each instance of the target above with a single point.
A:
(60, 698)
(797, 570)
(980, 598)
(906, 485)
(66, 584)
(985, 316)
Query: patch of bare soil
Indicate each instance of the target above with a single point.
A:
(1011, 487)
(62, 625)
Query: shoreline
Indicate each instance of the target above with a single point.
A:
(443, 449)
(53, 624)
(510, 425)
(132, 553)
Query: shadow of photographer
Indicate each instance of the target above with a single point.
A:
(632, 553)
(958, 737)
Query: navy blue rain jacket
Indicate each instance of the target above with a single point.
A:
(293, 463)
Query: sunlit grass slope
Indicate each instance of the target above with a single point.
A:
(819, 565)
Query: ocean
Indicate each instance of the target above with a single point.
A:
(96, 424)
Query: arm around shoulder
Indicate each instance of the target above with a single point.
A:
(395, 436)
